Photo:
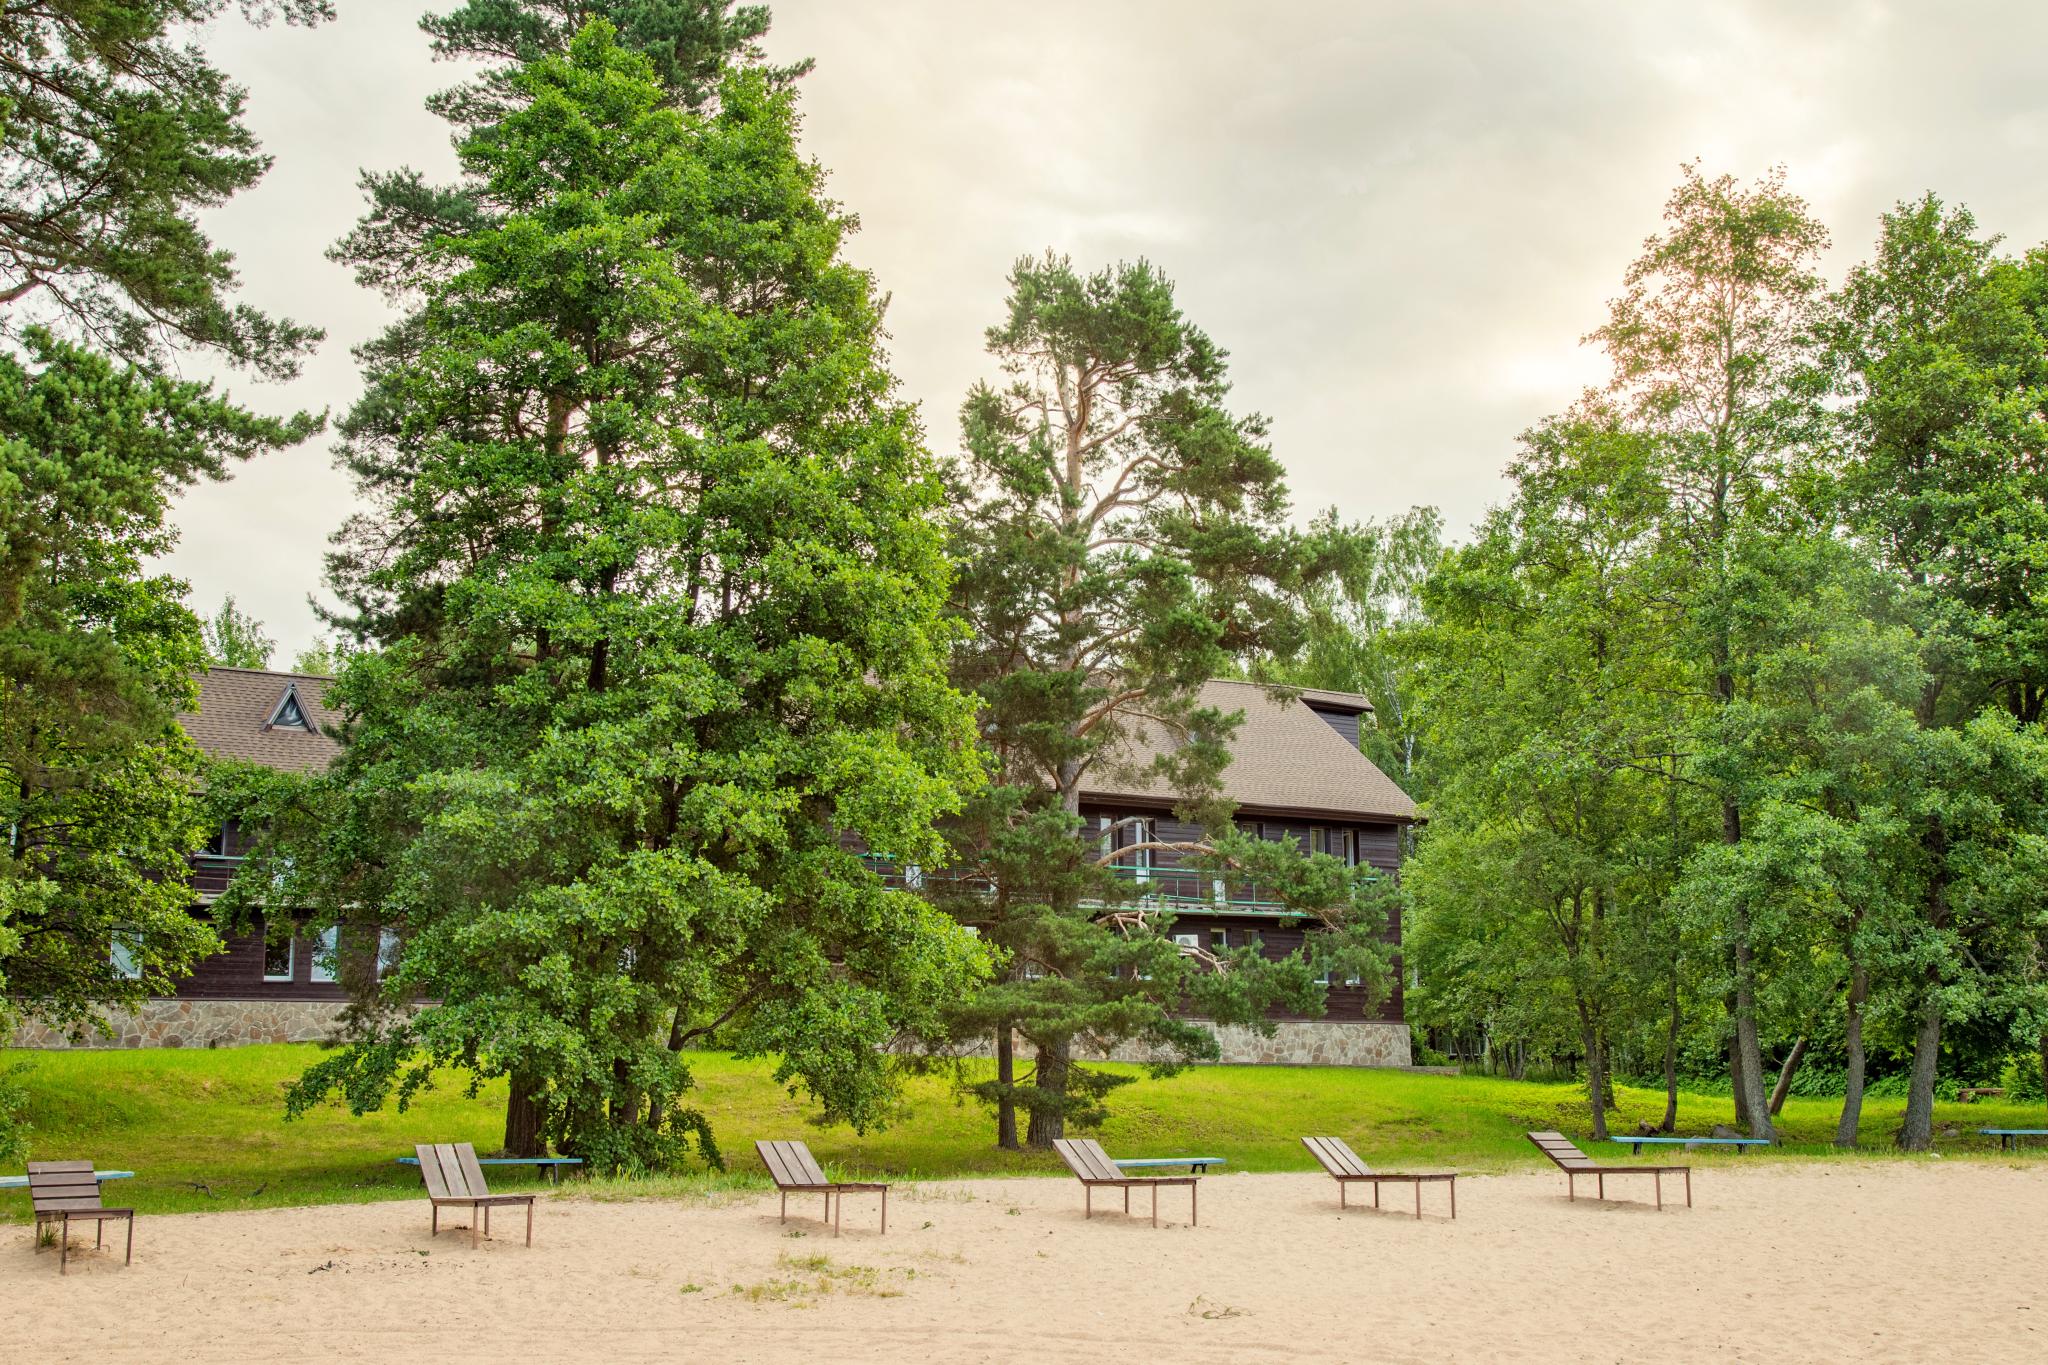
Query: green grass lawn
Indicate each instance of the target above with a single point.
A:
(205, 1129)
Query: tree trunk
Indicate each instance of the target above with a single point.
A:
(522, 1120)
(1852, 1090)
(1006, 1077)
(1735, 1080)
(1785, 1075)
(1916, 1134)
(1670, 1123)
(1596, 1074)
(1749, 1073)
(1049, 1121)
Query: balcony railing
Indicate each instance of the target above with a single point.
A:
(1180, 890)
(211, 873)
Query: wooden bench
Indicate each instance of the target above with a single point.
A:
(792, 1167)
(2009, 1138)
(1565, 1155)
(1346, 1169)
(455, 1178)
(1092, 1167)
(65, 1192)
(551, 1164)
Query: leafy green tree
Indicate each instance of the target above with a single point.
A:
(235, 639)
(115, 134)
(1122, 538)
(1712, 346)
(658, 590)
(1941, 348)
(1550, 693)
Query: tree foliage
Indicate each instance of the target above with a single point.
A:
(654, 567)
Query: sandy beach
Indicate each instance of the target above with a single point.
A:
(1874, 1260)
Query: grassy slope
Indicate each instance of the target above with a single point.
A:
(186, 1118)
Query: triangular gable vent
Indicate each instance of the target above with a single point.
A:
(288, 714)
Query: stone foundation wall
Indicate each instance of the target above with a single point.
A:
(203, 1023)
(1303, 1042)
(1297, 1042)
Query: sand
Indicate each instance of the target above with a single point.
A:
(1857, 1260)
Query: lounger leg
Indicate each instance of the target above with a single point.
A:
(437, 1220)
(1127, 1201)
(885, 1208)
(1688, 1187)
(1571, 1186)
(1155, 1204)
(529, 1223)
(472, 1228)
(130, 1258)
(785, 1204)
(64, 1250)
(1343, 1187)
(487, 1220)
(1418, 1199)
(1375, 1194)
(1600, 1184)
(1657, 1179)
(1454, 1199)
(1087, 1201)
(99, 1233)
(837, 1208)
(1194, 1206)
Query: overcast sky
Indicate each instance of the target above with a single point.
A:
(1398, 218)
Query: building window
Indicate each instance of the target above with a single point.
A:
(280, 959)
(1319, 840)
(913, 877)
(288, 714)
(326, 952)
(124, 954)
(387, 953)
(1187, 940)
(217, 846)
(1219, 939)
(1350, 848)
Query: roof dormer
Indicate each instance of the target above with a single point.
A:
(288, 714)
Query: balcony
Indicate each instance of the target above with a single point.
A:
(211, 873)
(1179, 890)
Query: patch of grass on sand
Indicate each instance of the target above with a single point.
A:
(205, 1129)
(814, 1277)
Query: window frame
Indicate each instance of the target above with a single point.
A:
(327, 945)
(291, 962)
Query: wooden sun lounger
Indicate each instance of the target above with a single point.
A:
(792, 1167)
(1574, 1163)
(454, 1178)
(1092, 1167)
(65, 1192)
(1345, 1168)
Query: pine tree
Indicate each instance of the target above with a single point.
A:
(654, 567)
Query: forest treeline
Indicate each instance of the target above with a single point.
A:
(1728, 716)
(661, 626)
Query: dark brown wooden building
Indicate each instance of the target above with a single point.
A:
(1296, 773)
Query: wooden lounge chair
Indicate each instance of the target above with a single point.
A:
(792, 1167)
(1345, 1168)
(454, 1178)
(1574, 1163)
(65, 1192)
(1092, 1167)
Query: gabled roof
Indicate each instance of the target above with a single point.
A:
(236, 706)
(1284, 757)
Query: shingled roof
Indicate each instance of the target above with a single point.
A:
(1284, 758)
(237, 706)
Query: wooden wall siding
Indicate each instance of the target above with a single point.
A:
(1377, 844)
(237, 974)
(1344, 723)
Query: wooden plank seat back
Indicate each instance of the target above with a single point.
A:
(1566, 1156)
(454, 1178)
(1092, 1167)
(1346, 1168)
(792, 1167)
(64, 1192)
